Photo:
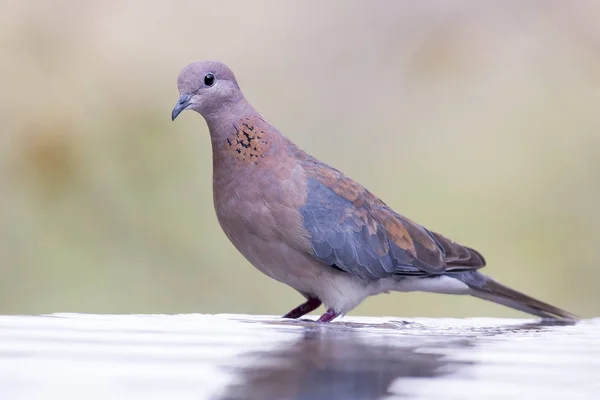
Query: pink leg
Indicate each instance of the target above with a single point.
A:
(311, 304)
(328, 316)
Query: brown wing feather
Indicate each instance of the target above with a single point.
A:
(431, 248)
(458, 256)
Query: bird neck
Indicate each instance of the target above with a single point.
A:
(221, 121)
(241, 137)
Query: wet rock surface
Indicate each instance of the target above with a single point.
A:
(264, 357)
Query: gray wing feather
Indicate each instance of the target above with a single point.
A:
(341, 239)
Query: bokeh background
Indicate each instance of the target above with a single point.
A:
(478, 119)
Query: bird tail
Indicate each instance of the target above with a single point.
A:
(486, 288)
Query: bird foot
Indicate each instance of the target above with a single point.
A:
(310, 305)
(328, 316)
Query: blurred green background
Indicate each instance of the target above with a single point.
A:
(478, 119)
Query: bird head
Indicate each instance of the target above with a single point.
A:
(206, 87)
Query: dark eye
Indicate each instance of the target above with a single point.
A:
(209, 79)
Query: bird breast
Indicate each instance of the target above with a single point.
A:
(268, 233)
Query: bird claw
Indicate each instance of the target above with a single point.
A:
(330, 315)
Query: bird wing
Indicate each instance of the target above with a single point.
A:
(354, 231)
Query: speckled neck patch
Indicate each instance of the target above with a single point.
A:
(249, 142)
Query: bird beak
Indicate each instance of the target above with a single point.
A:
(184, 101)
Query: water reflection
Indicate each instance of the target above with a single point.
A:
(333, 364)
(356, 361)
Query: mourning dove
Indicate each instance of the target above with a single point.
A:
(306, 224)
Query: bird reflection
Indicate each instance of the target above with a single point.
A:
(354, 361)
(333, 364)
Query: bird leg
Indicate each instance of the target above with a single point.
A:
(311, 304)
(328, 316)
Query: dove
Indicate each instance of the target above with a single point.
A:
(309, 226)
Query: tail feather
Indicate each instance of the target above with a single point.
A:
(486, 288)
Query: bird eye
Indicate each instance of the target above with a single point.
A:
(209, 79)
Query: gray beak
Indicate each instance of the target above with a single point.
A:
(184, 101)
